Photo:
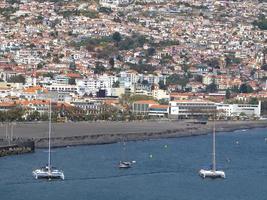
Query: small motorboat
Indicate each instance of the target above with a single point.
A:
(125, 164)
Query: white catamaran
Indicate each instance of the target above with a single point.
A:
(213, 172)
(125, 164)
(48, 172)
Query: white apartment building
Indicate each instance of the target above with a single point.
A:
(94, 84)
(62, 88)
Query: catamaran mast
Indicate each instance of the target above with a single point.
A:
(49, 135)
(213, 147)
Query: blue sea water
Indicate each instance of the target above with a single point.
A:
(165, 169)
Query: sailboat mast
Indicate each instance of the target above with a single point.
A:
(213, 147)
(49, 135)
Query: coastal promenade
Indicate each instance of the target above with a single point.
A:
(81, 133)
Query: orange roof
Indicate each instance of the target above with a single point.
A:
(145, 102)
(73, 75)
(111, 101)
(26, 103)
(35, 89)
(67, 105)
(159, 106)
(7, 104)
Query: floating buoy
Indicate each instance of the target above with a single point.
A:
(237, 142)
(133, 161)
(165, 146)
(150, 156)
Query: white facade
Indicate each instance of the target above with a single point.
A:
(191, 108)
(93, 84)
(62, 88)
(231, 110)
(200, 108)
(113, 3)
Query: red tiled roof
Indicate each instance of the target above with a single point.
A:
(159, 106)
(73, 75)
(145, 102)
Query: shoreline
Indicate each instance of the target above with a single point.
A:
(106, 132)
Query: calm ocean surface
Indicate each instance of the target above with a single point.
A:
(165, 169)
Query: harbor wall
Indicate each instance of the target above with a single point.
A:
(16, 147)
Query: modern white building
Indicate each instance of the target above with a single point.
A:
(93, 84)
(232, 110)
(195, 108)
(191, 108)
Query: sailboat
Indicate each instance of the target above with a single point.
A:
(125, 164)
(48, 172)
(213, 172)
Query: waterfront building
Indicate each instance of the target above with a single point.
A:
(201, 108)
(158, 110)
(142, 107)
(191, 108)
(90, 106)
(233, 110)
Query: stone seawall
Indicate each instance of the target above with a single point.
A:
(17, 148)
(103, 132)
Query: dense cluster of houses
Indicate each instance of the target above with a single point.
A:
(49, 50)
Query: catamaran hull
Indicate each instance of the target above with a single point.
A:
(48, 175)
(211, 174)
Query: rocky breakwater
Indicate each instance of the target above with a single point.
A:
(16, 147)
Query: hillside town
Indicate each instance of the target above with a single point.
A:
(131, 60)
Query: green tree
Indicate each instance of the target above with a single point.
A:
(227, 94)
(162, 86)
(99, 68)
(151, 51)
(177, 80)
(116, 37)
(212, 87)
(253, 100)
(48, 74)
(235, 89)
(245, 88)
(40, 65)
(111, 62)
(72, 66)
(33, 116)
(116, 84)
(72, 81)
(261, 23)
(264, 67)
(17, 79)
(14, 115)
